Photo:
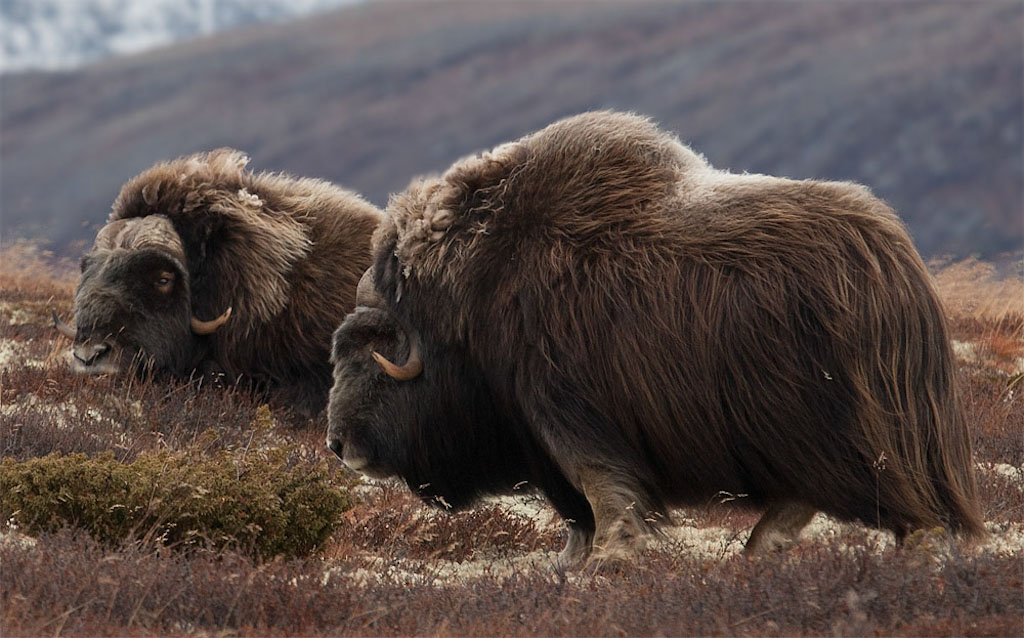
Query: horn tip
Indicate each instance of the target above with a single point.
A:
(62, 327)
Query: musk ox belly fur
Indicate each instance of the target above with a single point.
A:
(204, 266)
(661, 331)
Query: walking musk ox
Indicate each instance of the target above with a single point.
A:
(596, 310)
(204, 266)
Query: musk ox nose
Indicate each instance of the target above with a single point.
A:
(335, 446)
(88, 354)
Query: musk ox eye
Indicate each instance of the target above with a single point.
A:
(165, 281)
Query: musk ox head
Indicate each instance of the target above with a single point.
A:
(362, 436)
(403, 407)
(132, 305)
(365, 382)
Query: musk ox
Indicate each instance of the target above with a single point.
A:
(596, 310)
(204, 266)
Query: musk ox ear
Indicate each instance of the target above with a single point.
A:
(151, 193)
(363, 329)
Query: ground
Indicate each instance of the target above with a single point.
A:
(395, 566)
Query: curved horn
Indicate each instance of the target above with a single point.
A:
(62, 327)
(210, 327)
(366, 295)
(412, 368)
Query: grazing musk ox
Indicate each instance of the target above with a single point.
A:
(598, 311)
(204, 266)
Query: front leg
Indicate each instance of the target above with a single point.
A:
(579, 521)
(578, 547)
(625, 517)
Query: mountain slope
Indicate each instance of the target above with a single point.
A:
(921, 101)
(61, 34)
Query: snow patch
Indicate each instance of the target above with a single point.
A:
(1006, 538)
(64, 34)
(17, 539)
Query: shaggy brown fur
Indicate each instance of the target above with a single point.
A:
(284, 253)
(664, 331)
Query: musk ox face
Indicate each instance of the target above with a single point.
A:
(129, 309)
(132, 308)
(368, 424)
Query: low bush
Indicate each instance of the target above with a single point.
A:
(263, 503)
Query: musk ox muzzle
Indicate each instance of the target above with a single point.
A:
(86, 357)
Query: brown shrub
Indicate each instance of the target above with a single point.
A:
(259, 502)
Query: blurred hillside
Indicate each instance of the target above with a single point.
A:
(921, 101)
(64, 34)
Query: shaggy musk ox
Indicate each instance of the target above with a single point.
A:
(204, 266)
(596, 310)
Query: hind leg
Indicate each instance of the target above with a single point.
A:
(778, 527)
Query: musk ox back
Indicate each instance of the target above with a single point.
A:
(637, 330)
(204, 266)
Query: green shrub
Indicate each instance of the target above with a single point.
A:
(257, 504)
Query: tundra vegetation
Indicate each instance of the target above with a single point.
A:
(389, 565)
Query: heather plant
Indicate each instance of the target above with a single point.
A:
(259, 503)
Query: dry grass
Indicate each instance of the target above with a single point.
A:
(974, 289)
(396, 567)
(26, 271)
(986, 310)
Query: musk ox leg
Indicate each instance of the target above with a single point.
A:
(572, 506)
(577, 548)
(621, 529)
(778, 527)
